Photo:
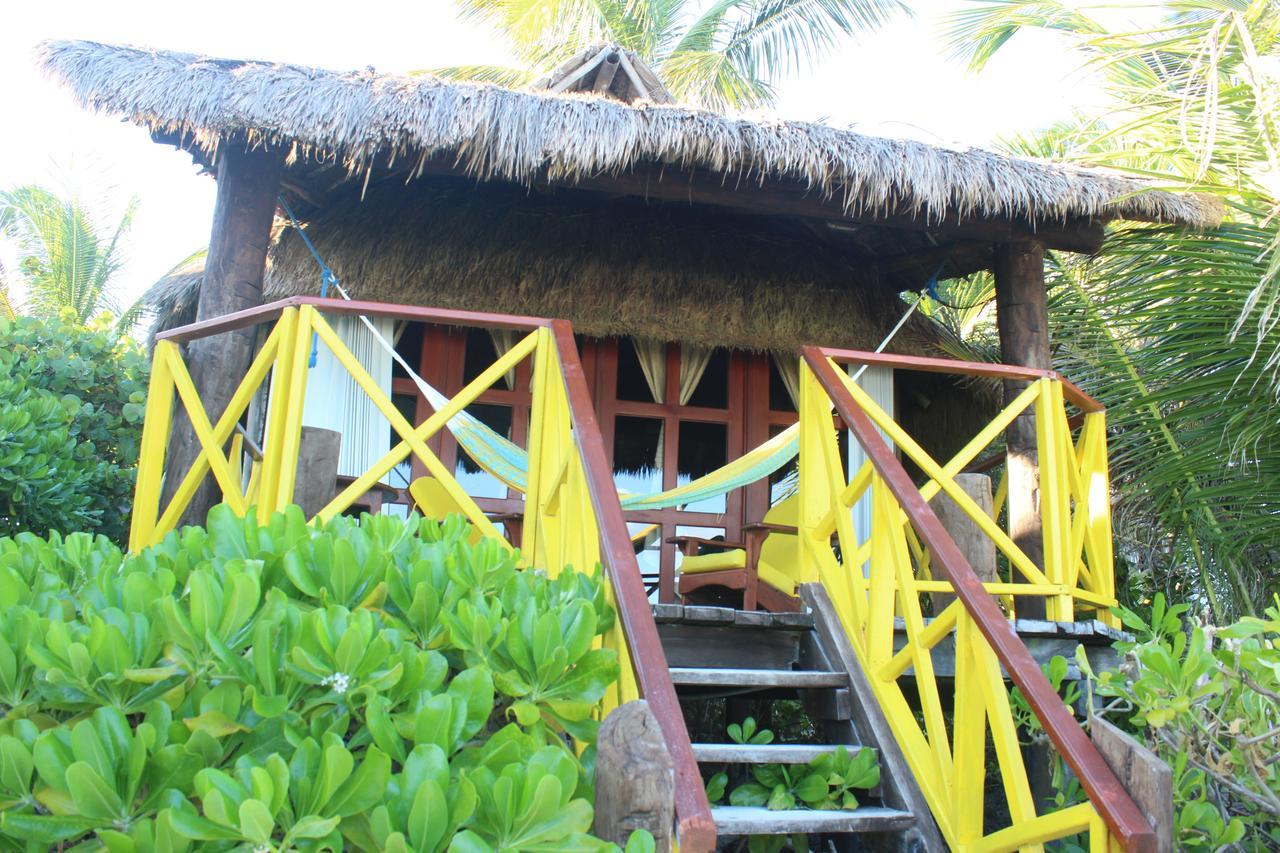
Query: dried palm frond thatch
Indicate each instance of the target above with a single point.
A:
(611, 267)
(361, 119)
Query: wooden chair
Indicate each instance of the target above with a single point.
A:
(434, 501)
(758, 566)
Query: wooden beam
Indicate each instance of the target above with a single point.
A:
(748, 194)
(1022, 317)
(248, 182)
(1148, 779)
(778, 197)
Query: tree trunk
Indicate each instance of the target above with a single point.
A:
(248, 182)
(1023, 319)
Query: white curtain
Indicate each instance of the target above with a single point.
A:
(878, 383)
(789, 369)
(653, 362)
(334, 401)
(503, 341)
(693, 363)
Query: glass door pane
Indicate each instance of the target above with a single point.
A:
(704, 447)
(637, 454)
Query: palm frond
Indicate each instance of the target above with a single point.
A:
(8, 305)
(974, 34)
(499, 75)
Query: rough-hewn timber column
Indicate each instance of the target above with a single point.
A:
(1023, 318)
(248, 183)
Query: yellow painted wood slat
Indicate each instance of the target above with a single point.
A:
(211, 448)
(268, 486)
(236, 406)
(157, 424)
(1059, 824)
(969, 728)
(433, 424)
(404, 429)
(931, 469)
(928, 637)
(290, 436)
(935, 722)
(995, 429)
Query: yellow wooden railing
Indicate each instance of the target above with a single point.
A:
(571, 512)
(909, 554)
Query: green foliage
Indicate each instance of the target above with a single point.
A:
(71, 406)
(827, 782)
(1207, 701)
(1175, 331)
(723, 55)
(66, 265)
(372, 685)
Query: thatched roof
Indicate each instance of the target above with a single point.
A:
(362, 120)
(611, 267)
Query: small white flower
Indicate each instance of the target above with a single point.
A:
(339, 681)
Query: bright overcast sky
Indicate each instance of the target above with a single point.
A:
(896, 82)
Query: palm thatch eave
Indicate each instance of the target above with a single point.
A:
(363, 119)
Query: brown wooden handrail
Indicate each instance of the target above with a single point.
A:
(963, 368)
(1122, 816)
(696, 829)
(272, 310)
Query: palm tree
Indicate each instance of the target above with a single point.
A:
(7, 309)
(65, 264)
(1176, 332)
(725, 54)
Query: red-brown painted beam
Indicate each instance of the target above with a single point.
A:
(926, 364)
(1108, 795)
(272, 310)
(697, 831)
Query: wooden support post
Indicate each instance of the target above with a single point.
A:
(978, 548)
(1023, 319)
(248, 183)
(635, 777)
(317, 480)
(1147, 779)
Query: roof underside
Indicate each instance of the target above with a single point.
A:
(359, 126)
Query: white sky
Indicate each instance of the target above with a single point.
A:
(896, 82)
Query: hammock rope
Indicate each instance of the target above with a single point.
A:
(509, 462)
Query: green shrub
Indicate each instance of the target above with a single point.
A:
(71, 405)
(372, 685)
(1207, 701)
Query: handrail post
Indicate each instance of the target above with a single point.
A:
(696, 830)
(290, 436)
(157, 423)
(1055, 509)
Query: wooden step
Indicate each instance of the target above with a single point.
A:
(753, 820)
(692, 614)
(769, 753)
(761, 678)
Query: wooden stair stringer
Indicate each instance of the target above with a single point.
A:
(899, 788)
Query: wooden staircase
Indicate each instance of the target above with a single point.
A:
(719, 652)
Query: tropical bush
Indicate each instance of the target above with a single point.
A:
(1207, 701)
(71, 406)
(376, 684)
(825, 783)
(1176, 332)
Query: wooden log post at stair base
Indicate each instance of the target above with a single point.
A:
(978, 548)
(635, 777)
(317, 480)
(1147, 779)
(244, 208)
(1022, 316)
